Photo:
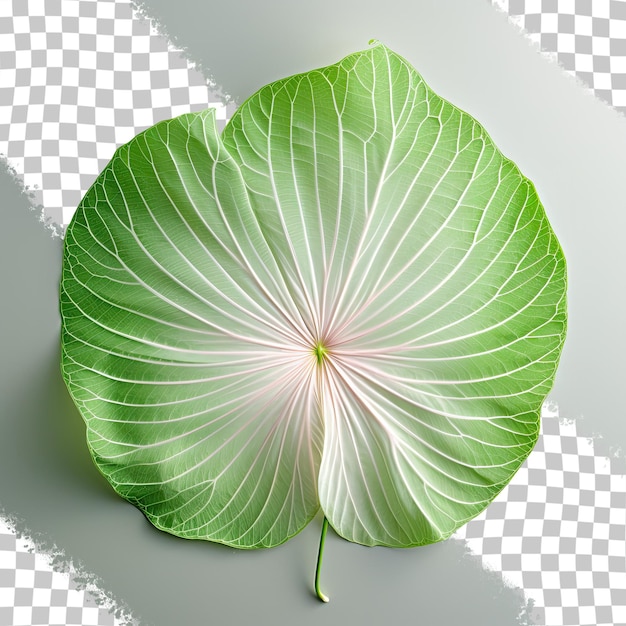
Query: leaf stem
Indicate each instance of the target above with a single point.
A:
(320, 594)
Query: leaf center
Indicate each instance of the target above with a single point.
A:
(320, 351)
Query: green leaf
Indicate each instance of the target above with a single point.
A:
(350, 299)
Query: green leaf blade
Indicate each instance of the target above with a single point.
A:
(351, 298)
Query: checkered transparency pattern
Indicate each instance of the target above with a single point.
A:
(78, 78)
(587, 38)
(558, 531)
(33, 592)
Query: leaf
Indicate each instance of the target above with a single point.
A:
(350, 299)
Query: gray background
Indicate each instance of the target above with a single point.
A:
(570, 145)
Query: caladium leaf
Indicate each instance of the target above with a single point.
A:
(350, 299)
